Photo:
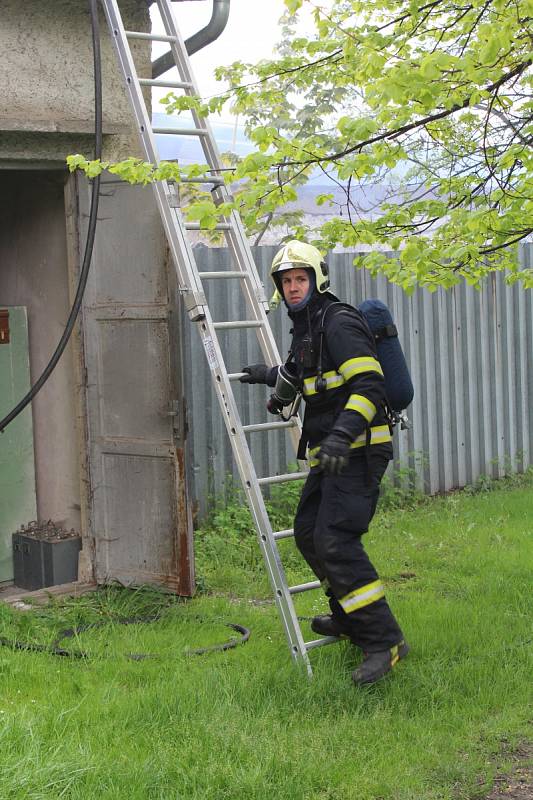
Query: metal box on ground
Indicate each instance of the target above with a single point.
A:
(45, 555)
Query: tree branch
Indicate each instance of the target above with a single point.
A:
(514, 73)
(485, 251)
(268, 220)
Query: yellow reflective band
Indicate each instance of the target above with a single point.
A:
(332, 378)
(313, 451)
(379, 434)
(357, 402)
(362, 597)
(355, 366)
(394, 655)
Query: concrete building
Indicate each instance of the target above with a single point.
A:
(102, 448)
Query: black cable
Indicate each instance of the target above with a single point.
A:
(245, 635)
(90, 232)
(40, 648)
(69, 633)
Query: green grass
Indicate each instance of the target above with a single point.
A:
(246, 723)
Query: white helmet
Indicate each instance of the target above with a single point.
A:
(298, 255)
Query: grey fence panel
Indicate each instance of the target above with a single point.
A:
(524, 377)
(470, 356)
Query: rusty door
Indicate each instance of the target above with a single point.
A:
(139, 513)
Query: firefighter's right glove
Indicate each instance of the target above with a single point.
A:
(334, 452)
(259, 373)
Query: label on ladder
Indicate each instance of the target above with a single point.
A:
(211, 353)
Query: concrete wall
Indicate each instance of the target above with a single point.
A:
(47, 98)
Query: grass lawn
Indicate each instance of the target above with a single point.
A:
(142, 718)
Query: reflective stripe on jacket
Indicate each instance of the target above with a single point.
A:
(353, 393)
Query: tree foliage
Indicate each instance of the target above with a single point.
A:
(431, 100)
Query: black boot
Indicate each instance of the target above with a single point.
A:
(376, 665)
(329, 625)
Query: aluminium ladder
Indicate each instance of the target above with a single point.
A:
(190, 286)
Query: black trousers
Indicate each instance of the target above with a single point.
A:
(333, 513)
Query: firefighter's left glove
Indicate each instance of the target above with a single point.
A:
(334, 452)
(259, 373)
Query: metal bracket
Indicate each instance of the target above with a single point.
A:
(173, 196)
(174, 409)
(195, 302)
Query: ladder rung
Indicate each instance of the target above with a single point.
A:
(268, 426)
(152, 37)
(182, 131)
(240, 323)
(291, 476)
(235, 376)
(196, 226)
(304, 587)
(223, 274)
(321, 642)
(215, 180)
(283, 534)
(166, 84)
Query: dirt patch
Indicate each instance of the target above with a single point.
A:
(517, 784)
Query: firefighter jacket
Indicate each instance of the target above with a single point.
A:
(333, 339)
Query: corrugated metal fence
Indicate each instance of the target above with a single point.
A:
(470, 356)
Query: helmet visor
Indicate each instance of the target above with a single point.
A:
(291, 265)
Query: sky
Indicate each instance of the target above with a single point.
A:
(250, 35)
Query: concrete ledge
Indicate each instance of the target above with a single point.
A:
(25, 600)
(76, 126)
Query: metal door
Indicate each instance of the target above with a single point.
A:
(17, 467)
(139, 510)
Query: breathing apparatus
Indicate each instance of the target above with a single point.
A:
(287, 393)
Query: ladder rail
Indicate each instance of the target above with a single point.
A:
(237, 235)
(196, 304)
(253, 493)
(194, 297)
(191, 286)
(253, 290)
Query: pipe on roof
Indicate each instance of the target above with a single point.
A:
(213, 29)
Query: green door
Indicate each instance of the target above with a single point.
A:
(17, 467)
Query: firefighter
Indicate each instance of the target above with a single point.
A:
(333, 362)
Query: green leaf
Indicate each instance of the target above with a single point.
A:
(429, 66)
(320, 199)
(293, 5)
(490, 50)
(75, 162)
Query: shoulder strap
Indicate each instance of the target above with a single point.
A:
(338, 308)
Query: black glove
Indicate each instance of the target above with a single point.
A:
(334, 452)
(259, 373)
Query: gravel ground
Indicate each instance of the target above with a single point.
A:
(518, 783)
